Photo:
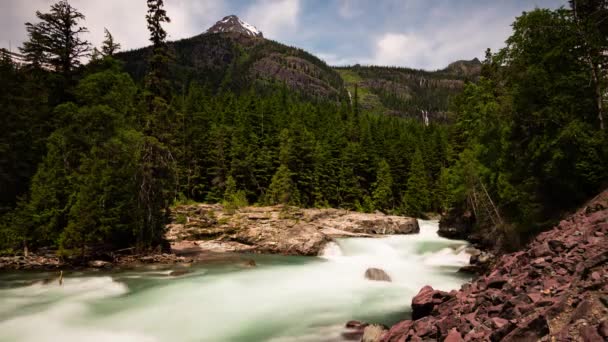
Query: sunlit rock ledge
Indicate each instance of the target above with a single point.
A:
(276, 229)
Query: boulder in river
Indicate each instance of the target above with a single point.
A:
(377, 274)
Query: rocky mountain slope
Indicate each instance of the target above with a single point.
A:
(405, 92)
(554, 290)
(232, 23)
(234, 55)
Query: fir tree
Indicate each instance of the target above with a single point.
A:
(281, 190)
(416, 197)
(157, 79)
(109, 46)
(383, 187)
(56, 38)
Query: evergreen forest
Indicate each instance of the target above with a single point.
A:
(97, 144)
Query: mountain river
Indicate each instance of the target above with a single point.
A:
(282, 299)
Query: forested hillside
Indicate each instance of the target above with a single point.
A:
(122, 138)
(95, 155)
(235, 62)
(404, 92)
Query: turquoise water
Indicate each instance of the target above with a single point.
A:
(282, 299)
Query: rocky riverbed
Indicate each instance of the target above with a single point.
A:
(556, 289)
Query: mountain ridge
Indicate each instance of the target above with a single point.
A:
(235, 55)
(232, 23)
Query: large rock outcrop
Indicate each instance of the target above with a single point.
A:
(554, 290)
(278, 230)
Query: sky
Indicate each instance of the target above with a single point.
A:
(423, 34)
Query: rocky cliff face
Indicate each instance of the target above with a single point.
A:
(554, 290)
(405, 92)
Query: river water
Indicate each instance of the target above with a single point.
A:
(282, 299)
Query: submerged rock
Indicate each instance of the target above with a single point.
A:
(178, 273)
(377, 274)
(250, 263)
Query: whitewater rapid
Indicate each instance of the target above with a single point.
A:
(283, 299)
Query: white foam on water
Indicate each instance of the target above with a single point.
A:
(307, 301)
(331, 250)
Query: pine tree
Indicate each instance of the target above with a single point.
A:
(383, 187)
(157, 79)
(95, 55)
(109, 47)
(156, 175)
(416, 197)
(56, 38)
(281, 190)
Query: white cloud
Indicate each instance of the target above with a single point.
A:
(433, 46)
(124, 19)
(398, 49)
(275, 18)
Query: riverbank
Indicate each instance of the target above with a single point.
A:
(204, 232)
(554, 289)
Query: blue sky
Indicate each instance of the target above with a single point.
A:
(427, 34)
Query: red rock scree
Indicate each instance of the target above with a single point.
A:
(554, 290)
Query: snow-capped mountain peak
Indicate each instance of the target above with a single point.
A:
(232, 23)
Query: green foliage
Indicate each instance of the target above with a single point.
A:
(97, 165)
(96, 185)
(416, 198)
(529, 143)
(109, 47)
(383, 187)
(406, 92)
(281, 189)
(233, 198)
(157, 79)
